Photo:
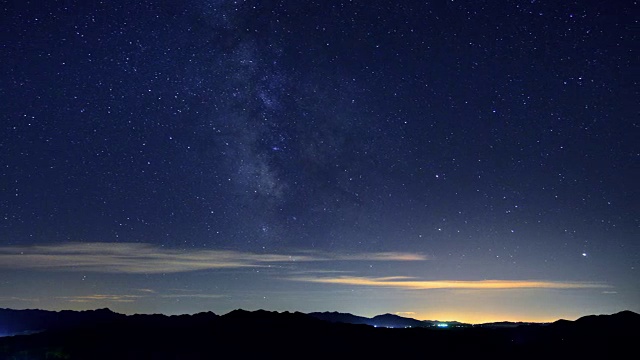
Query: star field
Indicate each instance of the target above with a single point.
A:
(306, 155)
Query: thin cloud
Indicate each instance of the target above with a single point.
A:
(318, 271)
(139, 258)
(196, 296)
(409, 283)
(379, 256)
(101, 297)
(148, 291)
(16, 298)
(129, 298)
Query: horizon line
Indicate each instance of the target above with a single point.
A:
(322, 312)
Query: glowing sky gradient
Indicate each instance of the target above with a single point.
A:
(445, 160)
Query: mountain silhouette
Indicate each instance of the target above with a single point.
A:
(27, 321)
(385, 320)
(395, 321)
(337, 317)
(103, 334)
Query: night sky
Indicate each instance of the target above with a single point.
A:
(452, 160)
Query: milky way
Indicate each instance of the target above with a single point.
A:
(469, 141)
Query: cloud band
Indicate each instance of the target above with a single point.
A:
(409, 283)
(139, 258)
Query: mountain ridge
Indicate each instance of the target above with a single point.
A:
(17, 321)
(292, 334)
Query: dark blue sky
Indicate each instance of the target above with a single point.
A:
(210, 155)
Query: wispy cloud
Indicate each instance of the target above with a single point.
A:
(129, 298)
(16, 298)
(147, 291)
(410, 283)
(379, 256)
(149, 259)
(405, 313)
(195, 296)
(101, 297)
(317, 272)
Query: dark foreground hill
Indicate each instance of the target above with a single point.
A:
(30, 321)
(243, 334)
(386, 320)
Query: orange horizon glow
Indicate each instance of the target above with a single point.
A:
(483, 317)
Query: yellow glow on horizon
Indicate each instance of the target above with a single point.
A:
(480, 317)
